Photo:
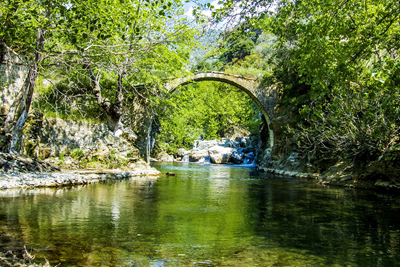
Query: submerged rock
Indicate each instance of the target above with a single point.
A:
(20, 258)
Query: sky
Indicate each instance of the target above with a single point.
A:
(189, 7)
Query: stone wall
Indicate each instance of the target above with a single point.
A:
(51, 137)
(138, 117)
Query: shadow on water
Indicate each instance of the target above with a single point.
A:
(206, 215)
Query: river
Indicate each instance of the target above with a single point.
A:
(206, 215)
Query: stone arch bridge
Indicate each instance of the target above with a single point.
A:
(264, 97)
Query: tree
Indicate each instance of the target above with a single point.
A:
(237, 48)
(147, 45)
(337, 62)
(129, 42)
(346, 54)
(23, 35)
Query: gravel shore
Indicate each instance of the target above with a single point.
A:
(17, 171)
(67, 178)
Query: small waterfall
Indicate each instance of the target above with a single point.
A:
(185, 158)
(249, 161)
(205, 160)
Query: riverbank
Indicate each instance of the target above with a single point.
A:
(68, 178)
(382, 173)
(17, 171)
(343, 175)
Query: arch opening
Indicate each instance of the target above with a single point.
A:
(246, 85)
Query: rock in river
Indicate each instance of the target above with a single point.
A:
(198, 154)
(219, 154)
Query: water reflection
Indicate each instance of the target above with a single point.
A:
(205, 216)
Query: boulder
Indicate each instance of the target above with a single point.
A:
(204, 145)
(230, 143)
(235, 144)
(164, 156)
(219, 154)
(248, 149)
(236, 131)
(140, 165)
(237, 157)
(245, 142)
(226, 142)
(197, 154)
(238, 139)
(182, 152)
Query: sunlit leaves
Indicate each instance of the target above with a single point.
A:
(336, 61)
(205, 109)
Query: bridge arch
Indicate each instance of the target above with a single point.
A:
(249, 85)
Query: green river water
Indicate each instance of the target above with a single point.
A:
(206, 215)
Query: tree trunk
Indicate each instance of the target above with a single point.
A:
(3, 52)
(16, 117)
(113, 110)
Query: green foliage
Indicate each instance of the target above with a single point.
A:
(336, 66)
(112, 155)
(111, 161)
(29, 148)
(134, 37)
(145, 42)
(344, 76)
(354, 123)
(77, 153)
(237, 47)
(251, 66)
(206, 109)
(21, 20)
(70, 97)
(257, 62)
